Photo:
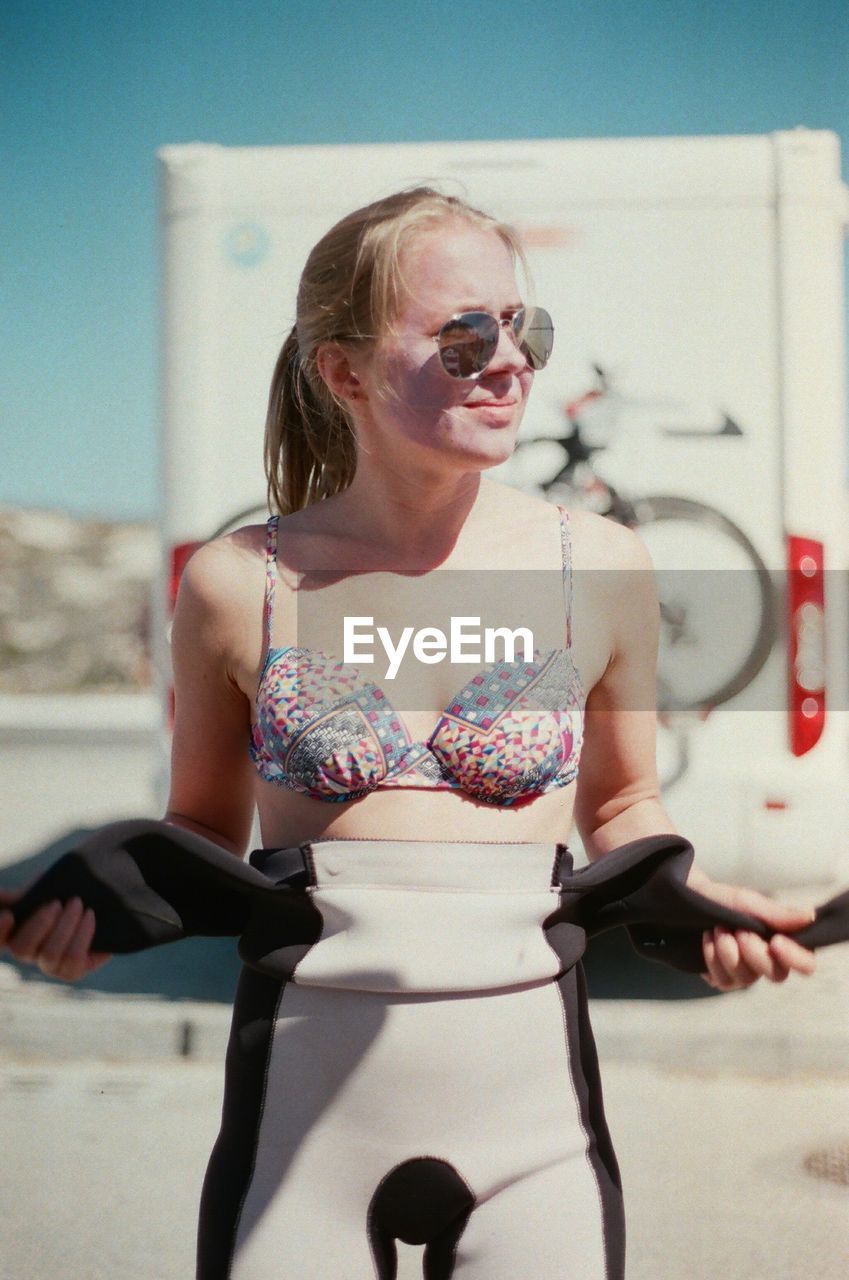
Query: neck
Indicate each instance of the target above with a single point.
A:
(410, 516)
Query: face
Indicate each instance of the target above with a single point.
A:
(447, 270)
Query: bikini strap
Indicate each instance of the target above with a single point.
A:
(270, 576)
(566, 547)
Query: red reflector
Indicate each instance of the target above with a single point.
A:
(181, 554)
(776, 804)
(806, 642)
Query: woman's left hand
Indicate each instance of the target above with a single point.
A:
(736, 959)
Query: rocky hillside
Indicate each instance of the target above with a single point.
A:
(75, 602)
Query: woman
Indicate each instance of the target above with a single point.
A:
(424, 1070)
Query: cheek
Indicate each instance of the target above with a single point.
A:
(419, 387)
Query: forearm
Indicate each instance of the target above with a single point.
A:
(644, 817)
(209, 833)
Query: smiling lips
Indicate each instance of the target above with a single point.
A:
(499, 413)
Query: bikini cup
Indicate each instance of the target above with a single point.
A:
(512, 731)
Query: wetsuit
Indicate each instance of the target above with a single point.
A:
(410, 1055)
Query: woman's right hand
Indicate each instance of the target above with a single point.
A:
(56, 938)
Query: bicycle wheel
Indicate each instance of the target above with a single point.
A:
(717, 602)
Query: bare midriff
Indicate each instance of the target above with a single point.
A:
(287, 818)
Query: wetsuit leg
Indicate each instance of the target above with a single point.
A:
(462, 1123)
(563, 1219)
(232, 1159)
(529, 1229)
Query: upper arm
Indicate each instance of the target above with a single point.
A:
(211, 774)
(618, 759)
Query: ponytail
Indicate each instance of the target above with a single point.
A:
(310, 446)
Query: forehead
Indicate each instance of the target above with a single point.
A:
(455, 265)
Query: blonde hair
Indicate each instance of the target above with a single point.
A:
(350, 292)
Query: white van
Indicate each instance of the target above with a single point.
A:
(697, 383)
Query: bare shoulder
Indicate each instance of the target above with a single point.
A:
(601, 543)
(597, 542)
(222, 569)
(312, 535)
(514, 517)
(222, 587)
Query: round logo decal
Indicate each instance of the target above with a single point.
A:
(247, 243)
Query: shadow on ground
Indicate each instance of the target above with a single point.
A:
(208, 968)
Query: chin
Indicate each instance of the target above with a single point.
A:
(493, 450)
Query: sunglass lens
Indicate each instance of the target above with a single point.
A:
(468, 343)
(535, 332)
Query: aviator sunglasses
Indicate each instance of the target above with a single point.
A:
(467, 342)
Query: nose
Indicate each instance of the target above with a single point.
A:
(507, 354)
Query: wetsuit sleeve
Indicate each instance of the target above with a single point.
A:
(682, 948)
(830, 925)
(149, 882)
(642, 885)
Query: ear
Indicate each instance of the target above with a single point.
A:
(337, 372)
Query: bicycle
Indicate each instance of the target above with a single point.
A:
(687, 690)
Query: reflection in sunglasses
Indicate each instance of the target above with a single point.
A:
(467, 343)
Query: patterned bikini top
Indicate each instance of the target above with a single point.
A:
(511, 732)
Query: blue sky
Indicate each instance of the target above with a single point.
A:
(90, 91)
